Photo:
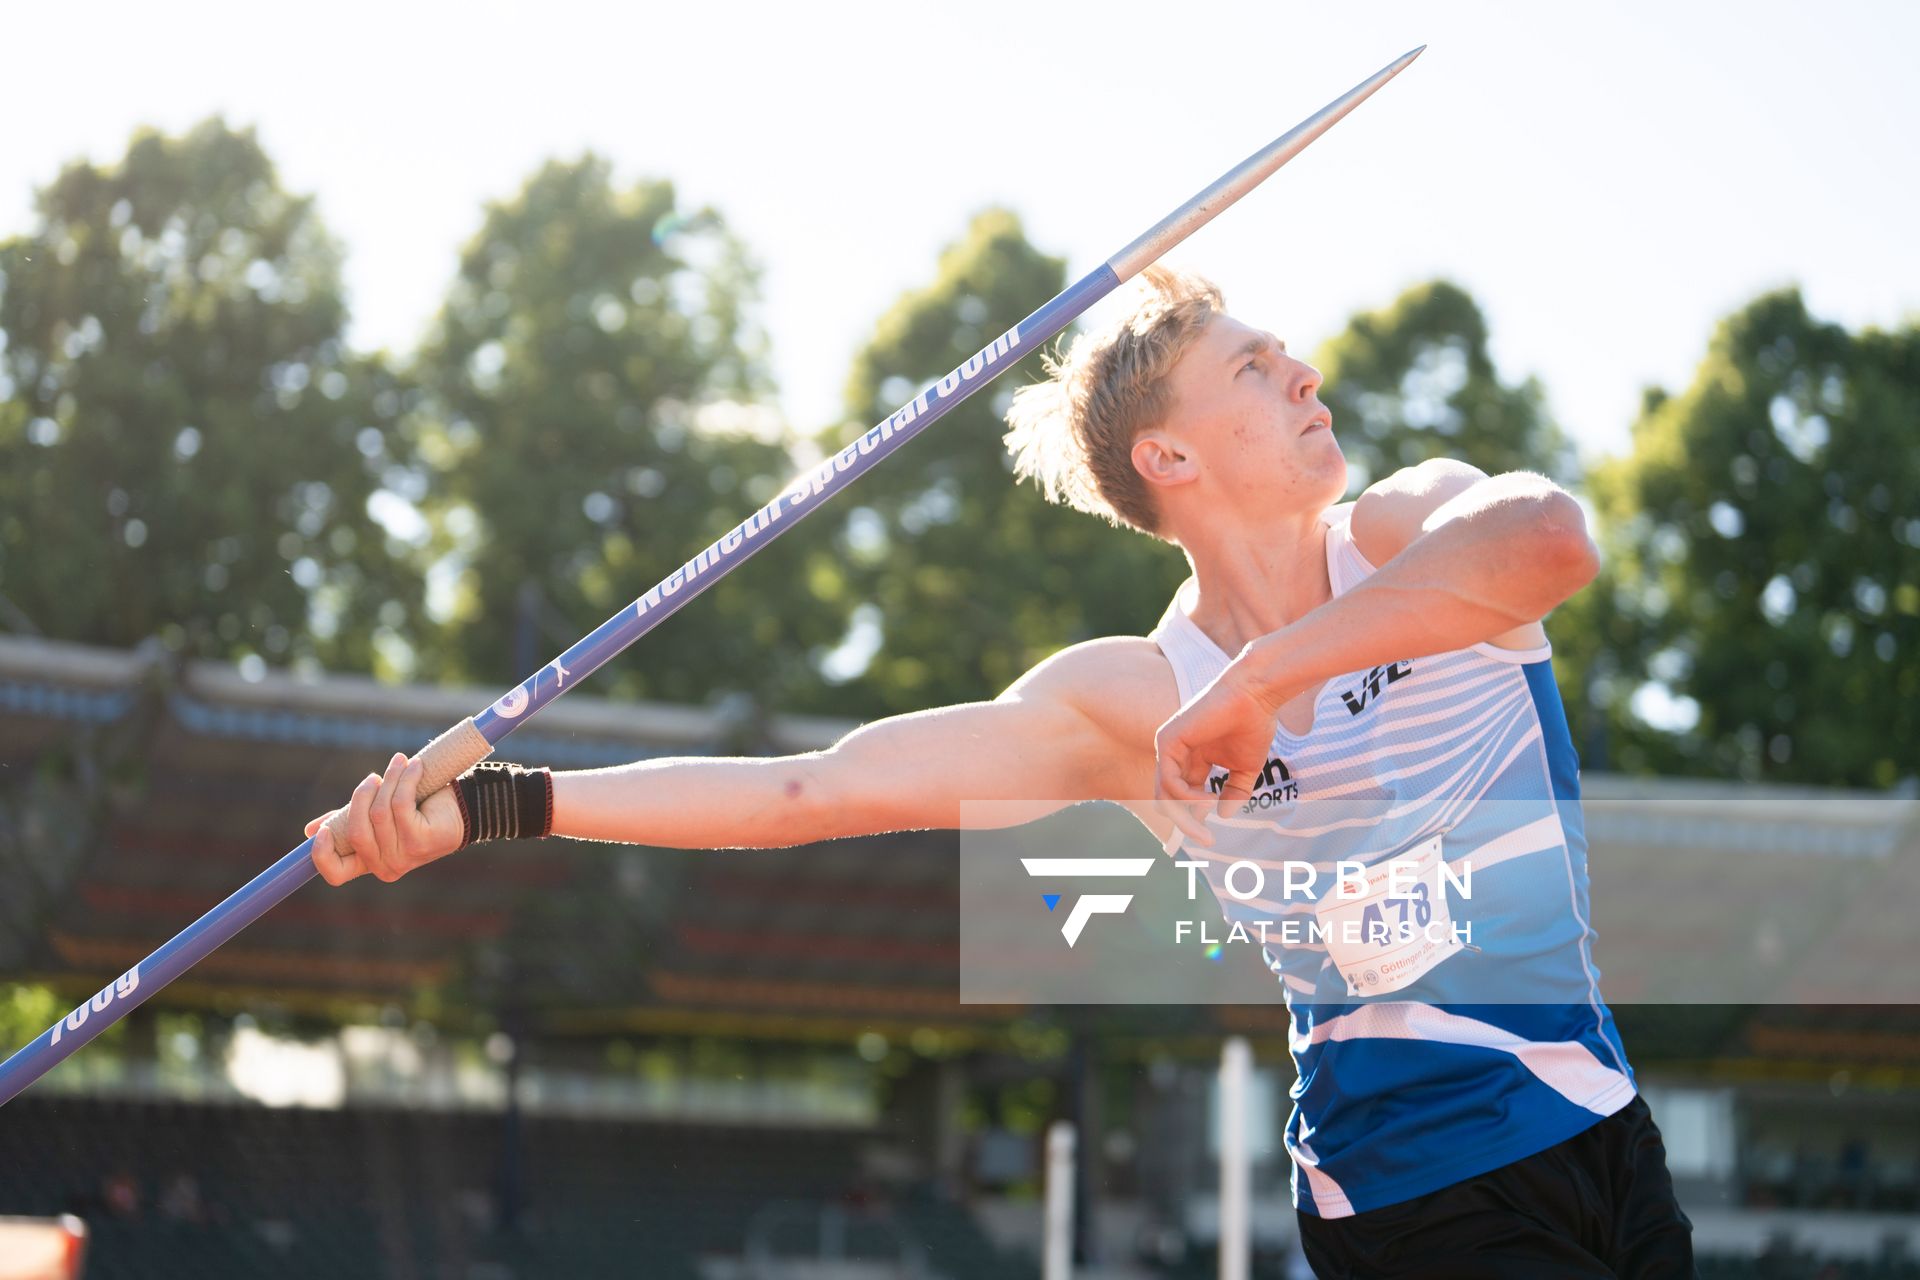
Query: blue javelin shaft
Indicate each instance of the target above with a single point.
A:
(806, 494)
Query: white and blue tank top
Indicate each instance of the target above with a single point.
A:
(1429, 1054)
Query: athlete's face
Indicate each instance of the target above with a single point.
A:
(1251, 417)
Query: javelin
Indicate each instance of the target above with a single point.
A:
(473, 739)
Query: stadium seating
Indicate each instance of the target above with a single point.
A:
(207, 1191)
(175, 1190)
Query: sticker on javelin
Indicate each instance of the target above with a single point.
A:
(810, 484)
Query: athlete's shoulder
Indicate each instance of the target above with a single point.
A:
(1390, 514)
(1097, 666)
(1122, 682)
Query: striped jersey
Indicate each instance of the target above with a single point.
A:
(1446, 1011)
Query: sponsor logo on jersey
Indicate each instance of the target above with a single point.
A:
(1274, 786)
(1368, 691)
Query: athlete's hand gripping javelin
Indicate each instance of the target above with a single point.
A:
(393, 830)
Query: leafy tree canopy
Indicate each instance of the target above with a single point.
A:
(591, 372)
(1415, 380)
(1766, 544)
(187, 448)
(958, 578)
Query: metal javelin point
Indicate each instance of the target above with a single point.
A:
(1248, 174)
(473, 739)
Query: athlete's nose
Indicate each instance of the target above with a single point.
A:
(1307, 383)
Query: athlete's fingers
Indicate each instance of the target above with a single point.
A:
(1182, 803)
(1172, 765)
(334, 867)
(1170, 783)
(324, 860)
(1235, 792)
(1187, 814)
(409, 825)
(1175, 791)
(360, 828)
(313, 824)
(1196, 774)
(1189, 820)
(380, 818)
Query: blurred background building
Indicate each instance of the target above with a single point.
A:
(560, 1058)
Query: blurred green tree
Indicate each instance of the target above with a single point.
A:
(26, 1011)
(1415, 380)
(186, 446)
(593, 371)
(958, 579)
(1766, 547)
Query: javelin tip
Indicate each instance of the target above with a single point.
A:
(1248, 174)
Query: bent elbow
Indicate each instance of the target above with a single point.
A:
(1587, 562)
(1567, 550)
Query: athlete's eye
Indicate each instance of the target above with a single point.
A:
(1253, 364)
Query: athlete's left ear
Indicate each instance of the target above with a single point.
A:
(1163, 461)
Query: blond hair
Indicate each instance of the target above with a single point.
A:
(1073, 434)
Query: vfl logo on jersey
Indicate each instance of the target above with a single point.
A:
(1088, 905)
(1359, 699)
(1274, 786)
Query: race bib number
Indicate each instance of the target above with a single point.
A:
(1386, 930)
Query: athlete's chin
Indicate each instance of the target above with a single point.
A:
(1331, 471)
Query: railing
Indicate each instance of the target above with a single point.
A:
(834, 1252)
(580, 1094)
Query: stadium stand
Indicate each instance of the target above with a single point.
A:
(135, 792)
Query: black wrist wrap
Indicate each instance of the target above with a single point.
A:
(504, 802)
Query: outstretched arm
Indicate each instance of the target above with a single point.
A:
(1463, 559)
(1049, 739)
(904, 773)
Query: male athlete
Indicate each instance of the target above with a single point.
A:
(1462, 1109)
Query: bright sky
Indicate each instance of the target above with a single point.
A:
(1607, 180)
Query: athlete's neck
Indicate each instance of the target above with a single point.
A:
(1252, 583)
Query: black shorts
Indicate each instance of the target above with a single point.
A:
(1599, 1204)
